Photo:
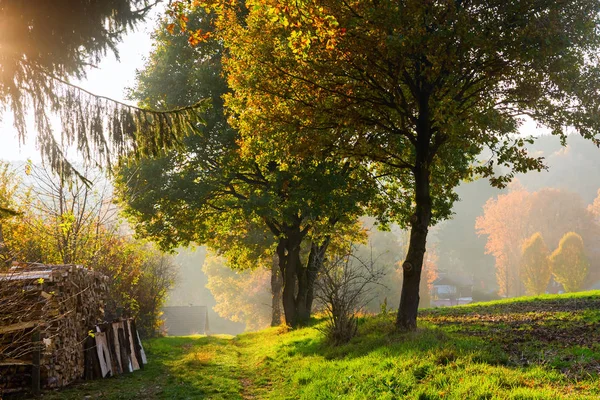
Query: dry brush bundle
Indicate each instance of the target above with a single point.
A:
(343, 288)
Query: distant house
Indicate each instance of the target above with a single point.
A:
(186, 320)
(451, 290)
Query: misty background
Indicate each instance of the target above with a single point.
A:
(458, 249)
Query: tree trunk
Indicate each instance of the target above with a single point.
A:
(409, 299)
(288, 251)
(287, 298)
(303, 312)
(276, 284)
(316, 259)
(406, 319)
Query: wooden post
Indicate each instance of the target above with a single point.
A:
(36, 359)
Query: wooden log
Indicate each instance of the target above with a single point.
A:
(20, 326)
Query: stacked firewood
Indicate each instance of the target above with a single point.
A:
(14, 377)
(58, 308)
(74, 305)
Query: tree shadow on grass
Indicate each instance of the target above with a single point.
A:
(498, 345)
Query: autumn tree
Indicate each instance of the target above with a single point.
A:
(46, 44)
(210, 191)
(506, 225)
(569, 262)
(594, 208)
(555, 212)
(384, 248)
(344, 286)
(158, 276)
(9, 185)
(415, 89)
(535, 265)
(72, 217)
(241, 296)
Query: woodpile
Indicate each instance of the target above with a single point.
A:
(47, 313)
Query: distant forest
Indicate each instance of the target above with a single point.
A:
(571, 168)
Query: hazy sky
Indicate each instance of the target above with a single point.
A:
(109, 79)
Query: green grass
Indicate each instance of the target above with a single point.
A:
(546, 347)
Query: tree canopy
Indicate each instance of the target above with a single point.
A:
(246, 206)
(416, 89)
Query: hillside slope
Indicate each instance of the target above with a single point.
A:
(529, 348)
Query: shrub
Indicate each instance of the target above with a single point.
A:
(535, 265)
(342, 290)
(569, 262)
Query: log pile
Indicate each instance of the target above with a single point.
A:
(60, 304)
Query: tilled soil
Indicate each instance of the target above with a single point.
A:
(540, 332)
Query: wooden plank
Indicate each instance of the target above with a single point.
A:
(114, 329)
(137, 344)
(20, 326)
(132, 353)
(103, 354)
(92, 364)
(124, 347)
(11, 361)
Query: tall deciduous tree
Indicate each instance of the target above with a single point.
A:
(506, 225)
(535, 265)
(570, 263)
(209, 193)
(417, 89)
(45, 44)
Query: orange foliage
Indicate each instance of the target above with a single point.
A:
(594, 208)
(511, 218)
(504, 220)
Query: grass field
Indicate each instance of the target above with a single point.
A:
(531, 348)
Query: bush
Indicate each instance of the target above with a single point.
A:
(569, 263)
(535, 265)
(342, 290)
